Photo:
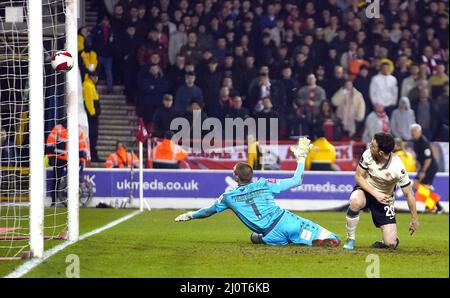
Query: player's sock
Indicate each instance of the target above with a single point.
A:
(352, 221)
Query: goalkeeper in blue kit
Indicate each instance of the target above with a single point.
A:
(254, 204)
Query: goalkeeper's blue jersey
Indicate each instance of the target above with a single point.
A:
(253, 203)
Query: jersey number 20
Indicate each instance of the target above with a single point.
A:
(390, 211)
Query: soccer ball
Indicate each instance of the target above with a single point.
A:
(62, 61)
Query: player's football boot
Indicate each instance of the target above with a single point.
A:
(349, 244)
(380, 244)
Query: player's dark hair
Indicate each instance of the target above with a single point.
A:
(385, 142)
(244, 171)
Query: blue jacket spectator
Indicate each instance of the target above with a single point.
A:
(152, 85)
(187, 93)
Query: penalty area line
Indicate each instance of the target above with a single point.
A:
(29, 265)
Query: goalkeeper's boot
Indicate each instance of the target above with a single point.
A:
(349, 244)
(331, 241)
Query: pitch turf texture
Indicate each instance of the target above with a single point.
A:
(151, 244)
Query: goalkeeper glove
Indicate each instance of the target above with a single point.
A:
(301, 151)
(185, 216)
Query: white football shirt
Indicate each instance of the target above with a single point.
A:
(384, 177)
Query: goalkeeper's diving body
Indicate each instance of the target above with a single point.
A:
(254, 204)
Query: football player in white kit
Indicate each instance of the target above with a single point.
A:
(378, 173)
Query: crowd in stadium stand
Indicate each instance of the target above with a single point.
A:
(315, 65)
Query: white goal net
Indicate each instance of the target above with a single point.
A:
(26, 106)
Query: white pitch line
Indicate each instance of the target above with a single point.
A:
(27, 266)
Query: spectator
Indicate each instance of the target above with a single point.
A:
(195, 109)
(401, 120)
(281, 59)
(210, 82)
(377, 121)
(413, 95)
(188, 92)
(176, 41)
(121, 158)
(247, 75)
(277, 32)
(266, 51)
(428, 59)
(220, 50)
(327, 121)
(237, 110)
(351, 108)
(104, 42)
(336, 82)
(92, 106)
(205, 39)
(322, 155)
(355, 63)
(311, 95)
(289, 85)
(302, 66)
(262, 88)
(384, 89)
(426, 114)
(221, 106)
(191, 50)
(438, 80)
(163, 116)
(167, 154)
(362, 84)
(270, 116)
(118, 18)
(401, 71)
(152, 86)
(443, 113)
(406, 156)
(129, 61)
(176, 73)
(410, 82)
(227, 81)
(349, 55)
(156, 49)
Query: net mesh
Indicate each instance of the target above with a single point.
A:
(14, 119)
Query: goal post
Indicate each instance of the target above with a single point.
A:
(72, 78)
(36, 126)
(34, 100)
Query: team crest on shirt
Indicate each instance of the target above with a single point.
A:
(388, 174)
(271, 180)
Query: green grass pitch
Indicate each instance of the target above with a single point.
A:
(151, 244)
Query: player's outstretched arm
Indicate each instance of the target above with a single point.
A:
(301, 152)
(408, 193)
(218, 206)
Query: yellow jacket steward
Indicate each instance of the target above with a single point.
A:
(407, 159)
(322, 152)
(90, 95)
